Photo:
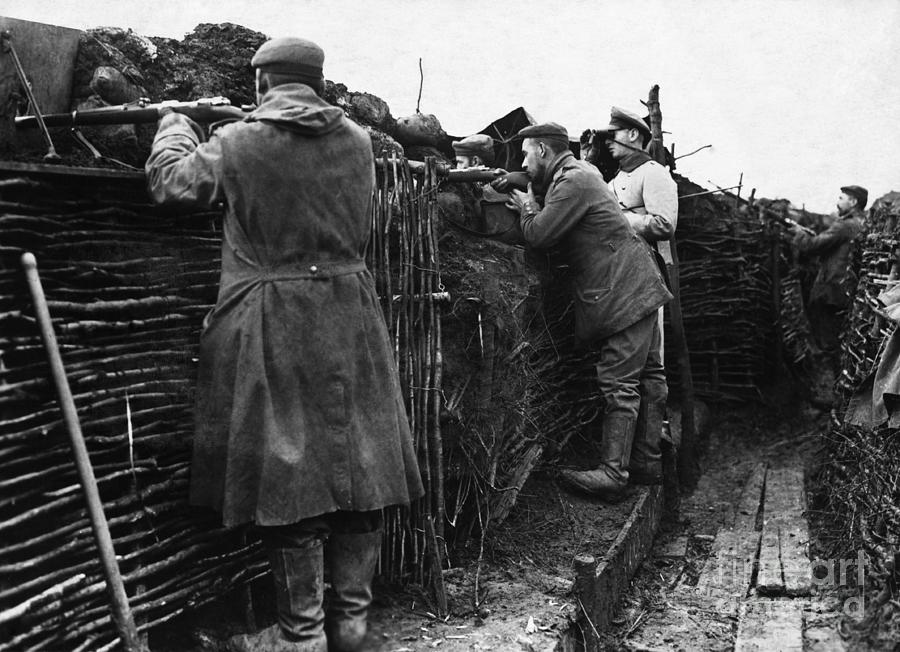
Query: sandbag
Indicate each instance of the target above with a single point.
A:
(419, 129)
(382, 143)
(113, 87)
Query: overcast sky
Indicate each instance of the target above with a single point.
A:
(802, 96)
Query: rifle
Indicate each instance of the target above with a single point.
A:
(785, 220)
(206, 110)
(517, 180)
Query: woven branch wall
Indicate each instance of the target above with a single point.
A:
(862, 465)
(726, 293)
(128, 286)
(403, 256)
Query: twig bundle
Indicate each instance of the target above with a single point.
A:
(860, 476)
(403, 256)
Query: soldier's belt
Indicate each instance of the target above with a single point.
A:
(311, 270)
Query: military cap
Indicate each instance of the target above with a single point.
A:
(290, 56)
(549, 130)
(861, 194)
(478, 145)
(624, 119)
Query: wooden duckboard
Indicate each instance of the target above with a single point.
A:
(767, 625)
(784, 567)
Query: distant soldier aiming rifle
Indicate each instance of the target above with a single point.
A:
(829, 297)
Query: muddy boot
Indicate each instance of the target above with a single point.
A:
(609, 480)
(645, 466)
(352, 558)
(298, 575)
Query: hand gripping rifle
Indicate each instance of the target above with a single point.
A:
(776, 216)
(205, 110)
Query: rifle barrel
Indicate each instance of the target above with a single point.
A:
(132, 114)
(472, 175)
(445, 171)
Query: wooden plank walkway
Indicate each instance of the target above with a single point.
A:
(747, 510)
(784, 567)
(769, 626)
(744, 594)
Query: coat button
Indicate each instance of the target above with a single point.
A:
(313, 269)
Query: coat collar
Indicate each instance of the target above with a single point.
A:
(542, 182)
(297, 107)
(556, 163)
(633, 160)
(857, 212)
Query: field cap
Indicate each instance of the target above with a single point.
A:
(291, 56)
(549, 130)
(861, 194)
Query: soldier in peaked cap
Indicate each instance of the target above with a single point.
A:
(648, 197)
(617, 288)
(830, 294)
(300, 426)
(645, 189)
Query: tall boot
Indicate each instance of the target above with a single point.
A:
(352, 558)
(609, 480)
(645, 466)
(298, 575)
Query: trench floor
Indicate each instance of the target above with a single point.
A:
(510, 592)
(730, 572)
(734, 572)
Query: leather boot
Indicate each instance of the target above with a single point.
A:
(352, 558)
(298, 575)
(609, 480)
(645, 466)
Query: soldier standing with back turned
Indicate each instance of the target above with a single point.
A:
(300, 424)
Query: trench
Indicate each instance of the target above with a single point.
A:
(486, 328)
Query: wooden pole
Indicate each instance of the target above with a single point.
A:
(121, 612)
(7, 46)
(688, 461)
(9, 96)
(775, 262)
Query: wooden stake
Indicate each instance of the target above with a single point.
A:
(688, 462)
(121, 612)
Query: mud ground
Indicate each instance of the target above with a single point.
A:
(513, 590)
(510, 592)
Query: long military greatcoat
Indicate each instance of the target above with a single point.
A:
(616, 280)
(299, 410)
(648, 197)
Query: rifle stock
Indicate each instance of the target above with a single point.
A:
(205, 110)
